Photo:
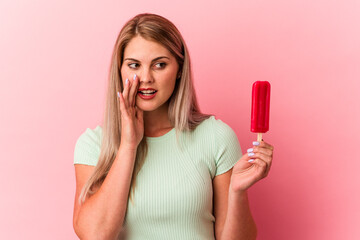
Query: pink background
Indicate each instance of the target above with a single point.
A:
(53, 66)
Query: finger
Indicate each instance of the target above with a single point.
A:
(267, 145)
(261, 156)
(242, 165)
(263, 150)
(122, 104)
(263, 144)
(133, 91)
(125, 93)
(265, 158)
(261, 166)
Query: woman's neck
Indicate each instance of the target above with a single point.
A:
(157, 122)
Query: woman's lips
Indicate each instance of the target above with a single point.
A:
(145, 97)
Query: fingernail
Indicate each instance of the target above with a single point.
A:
(134, 76)
(256, 143)
(126, 81)
(251, 154)
(251, 160)
(118, 94)
(250, 150)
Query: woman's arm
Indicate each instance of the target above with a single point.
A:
(239, 223)
(102, 214)
(231, 210)
(250, 168)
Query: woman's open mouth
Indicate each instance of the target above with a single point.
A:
(147, 94)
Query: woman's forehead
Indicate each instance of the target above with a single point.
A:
(144, 50)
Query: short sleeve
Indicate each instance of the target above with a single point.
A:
(226, 145)
(87, 147)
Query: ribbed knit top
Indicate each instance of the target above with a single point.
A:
(173, 195)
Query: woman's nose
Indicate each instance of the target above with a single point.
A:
(145, 76)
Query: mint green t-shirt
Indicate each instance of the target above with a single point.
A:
(173, 195)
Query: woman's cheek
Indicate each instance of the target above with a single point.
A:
(124, 73)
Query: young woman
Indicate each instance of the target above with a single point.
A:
(158, 168)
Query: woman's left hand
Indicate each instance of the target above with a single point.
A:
(245, 174)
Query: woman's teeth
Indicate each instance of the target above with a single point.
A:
(147, 92)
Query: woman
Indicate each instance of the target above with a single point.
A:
(159, 168)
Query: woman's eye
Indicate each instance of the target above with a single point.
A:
(132, 64)
(161, 66)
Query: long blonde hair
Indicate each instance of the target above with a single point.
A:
(183, 111)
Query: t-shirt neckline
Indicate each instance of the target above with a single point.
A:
(162, 137)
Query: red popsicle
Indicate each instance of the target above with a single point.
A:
(260, 108)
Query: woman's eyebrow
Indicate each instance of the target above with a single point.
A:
(133, 59)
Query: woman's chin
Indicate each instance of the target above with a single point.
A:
(145, 108)
(148, 106)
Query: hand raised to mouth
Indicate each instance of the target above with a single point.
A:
(132, 122)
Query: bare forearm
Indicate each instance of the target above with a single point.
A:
(239, 223)
(103, 213)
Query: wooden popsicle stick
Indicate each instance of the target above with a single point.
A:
(259, 137)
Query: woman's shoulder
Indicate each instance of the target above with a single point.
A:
(87, 147)
(215, 124)
(92, 135)
(220, 140)
(213, 127)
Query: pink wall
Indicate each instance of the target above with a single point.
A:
(53, 66)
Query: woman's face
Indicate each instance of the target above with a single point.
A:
(154, 67)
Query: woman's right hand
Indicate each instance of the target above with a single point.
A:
(132, 123)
